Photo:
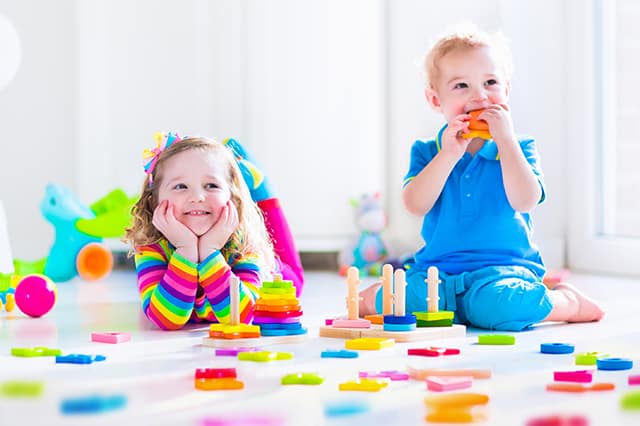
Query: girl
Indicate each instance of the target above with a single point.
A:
(199, 221)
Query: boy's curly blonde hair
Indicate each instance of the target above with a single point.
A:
(251, 235)
(466, 36)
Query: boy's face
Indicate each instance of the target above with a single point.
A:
(194, 181)
(469, 79)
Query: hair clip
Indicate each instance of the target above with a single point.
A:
(150, 155)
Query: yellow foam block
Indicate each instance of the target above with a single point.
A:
(364, 385)
(369, 343)
(218, 384)
(228, 331)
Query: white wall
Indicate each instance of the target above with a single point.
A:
(37, 116)
(289, 78)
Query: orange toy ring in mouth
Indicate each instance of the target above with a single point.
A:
(477, 128)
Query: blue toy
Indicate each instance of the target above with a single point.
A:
(79, 229)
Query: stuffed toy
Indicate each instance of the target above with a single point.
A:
(368, 252)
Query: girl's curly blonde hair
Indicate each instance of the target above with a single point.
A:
(251, 235)
(466, 36)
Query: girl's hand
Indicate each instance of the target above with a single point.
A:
(452, 141)
(164, 219)
(500, 124)
(218, 235)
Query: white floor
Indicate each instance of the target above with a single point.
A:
(155, 370)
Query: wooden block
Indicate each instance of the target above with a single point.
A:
(428, 333)
(254, 342)
(340, 333)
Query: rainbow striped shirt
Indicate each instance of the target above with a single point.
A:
(175, 290)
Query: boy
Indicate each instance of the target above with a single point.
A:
(475, 196)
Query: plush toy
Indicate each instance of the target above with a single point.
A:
(369, 251)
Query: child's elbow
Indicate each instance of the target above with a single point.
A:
(411, 205)
(167, 325)
(524, 206)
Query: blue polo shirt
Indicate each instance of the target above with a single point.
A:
(472, 225)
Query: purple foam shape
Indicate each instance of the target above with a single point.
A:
(394, 375)
(257, 320)
(234, 351)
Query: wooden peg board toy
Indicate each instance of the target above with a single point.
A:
(276, 319)
(399, 326)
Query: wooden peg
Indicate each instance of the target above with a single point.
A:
(234, 299)
(353, 281)
(399, 284)
(387, 289)
(432, 289)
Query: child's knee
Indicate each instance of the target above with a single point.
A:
(509, 307)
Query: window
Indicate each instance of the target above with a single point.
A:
(604, 136)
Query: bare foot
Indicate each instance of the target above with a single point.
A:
(367, 305)
(588, 309)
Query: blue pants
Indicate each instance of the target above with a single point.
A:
(496, 297)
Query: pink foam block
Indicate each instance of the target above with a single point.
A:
(579, 376)
(394, 375)
(439, 384)
(347, 323)
(634, 379)
(110, 337)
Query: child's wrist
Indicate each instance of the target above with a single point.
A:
(189, 253)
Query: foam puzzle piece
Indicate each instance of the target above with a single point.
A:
(238, 331)
(364, 385)
(496, 339)
(302, 379)
(21, 389)
(578, 376)
(577, 387)
(345, 408)
(233, 351)
(79, 359)
(93, 404)
(110, 337)
(422, 374)
(393, 375)
(369, 343)
(227, 383)
(589, 358)
(614, 364)
(556, 348)
(440, 384)
(433, 351)
(398, 327)
(340, 353)
(215, 373)
(351, 323)
(264, 356)
(37, 351)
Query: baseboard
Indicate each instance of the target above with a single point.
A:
(311, 261)
(319, 261)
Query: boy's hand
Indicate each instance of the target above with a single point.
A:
(500, 124)
(452, 141)
(164, 219)
(218, 235)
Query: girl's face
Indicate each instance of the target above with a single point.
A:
(194, 181)
(469, 79)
